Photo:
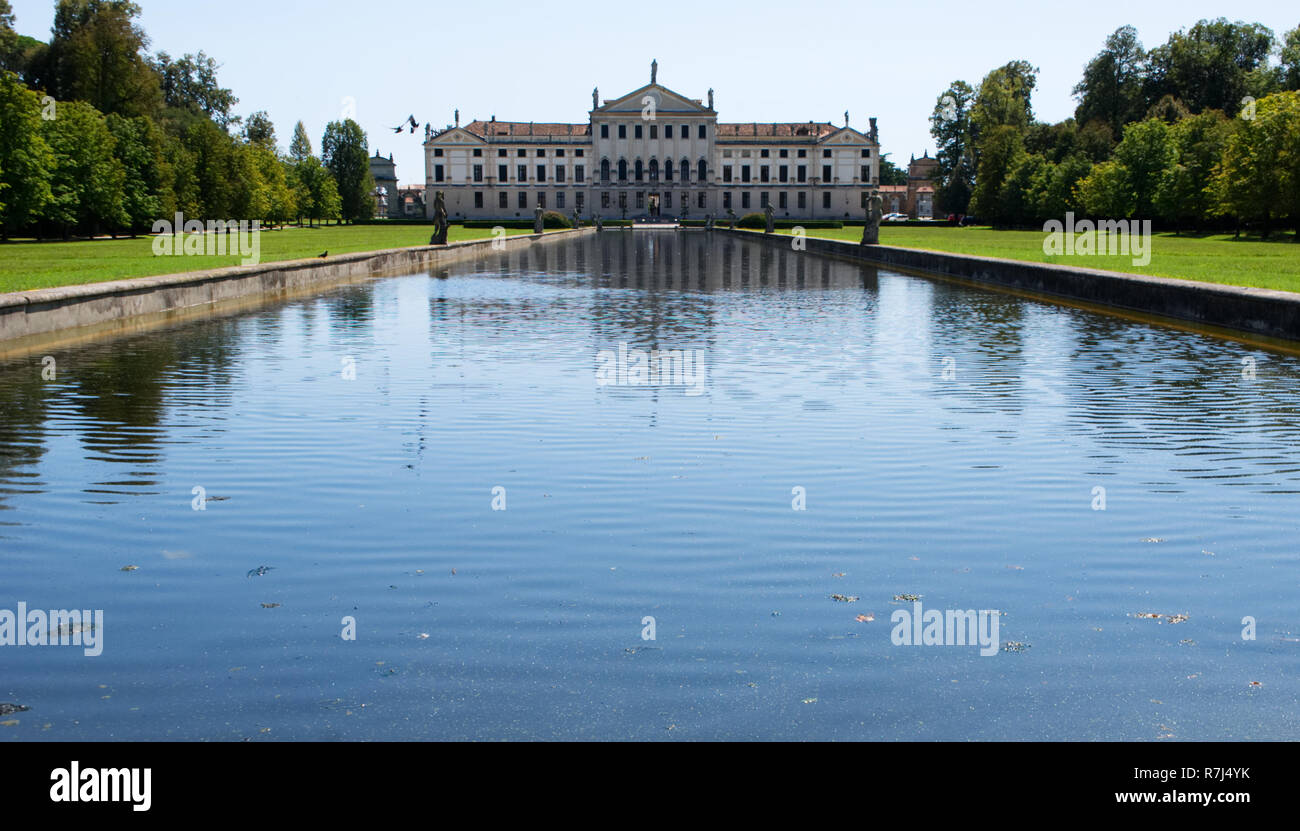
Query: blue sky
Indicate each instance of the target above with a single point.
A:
(538, 61)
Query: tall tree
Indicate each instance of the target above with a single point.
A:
(147, 191)
(1111, 89)
(97, 55)
(8, 37)
(1291, 59)
(1185, 196)
(190, 84)
(300, 147)
(346, 154)
(88, 181)
(259, 130)
(950, 127)
(25, 157)
(1213, 66)
(1147, 156)
(1259, 177)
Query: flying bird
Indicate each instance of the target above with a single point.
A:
(410, 119)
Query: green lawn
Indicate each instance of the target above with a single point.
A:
(33, 265)
(1212, 259)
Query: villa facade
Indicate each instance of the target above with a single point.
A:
(650, 147)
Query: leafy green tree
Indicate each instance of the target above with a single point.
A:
(1058, 190)
(1185, 195)
(1290, 69)
(1213, 66)
(147, 190)
(259, 130)
(1003, 147)
(1169, 110)
(274, 202)
(300, 147)
(1146, 155)
(1259, 176)
(97, 55)
(1112, 87)
(1106, 191)
(890, 173)
(1020, 193)
(1004, 99)
(950, 127)
(346, 154)
(88, 182)
(25, 157)
(8, 37)
(190, 84)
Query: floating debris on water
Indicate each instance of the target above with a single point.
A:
(130, 568)
(270, 605)
(1152, 539)
(10, 709)
(840, 574)
(260, 571)
(1162, 618)
(810, 701)
(1015, 646)
(841, 598)
(865, 618)
(776, 614)
(907, 598)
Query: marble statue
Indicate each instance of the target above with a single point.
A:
(439, 220)
(875, 213)
(771, 221)
(537, 220)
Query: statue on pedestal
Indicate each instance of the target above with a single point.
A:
(708, 222)
(577, 220)
(439, 220)
(731, 220)
(600, 224)
(875, 213)
(537, 220)
(771, 221)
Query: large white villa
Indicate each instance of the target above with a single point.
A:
(651, 145)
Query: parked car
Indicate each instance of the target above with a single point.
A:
(894, 217)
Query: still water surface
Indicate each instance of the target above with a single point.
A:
(949, 443)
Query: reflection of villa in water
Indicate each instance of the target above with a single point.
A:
(652, 142)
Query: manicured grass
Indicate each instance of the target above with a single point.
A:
(1213, 259)
(33, 265)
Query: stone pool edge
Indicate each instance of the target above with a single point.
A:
(1265, 312)
(37, 312)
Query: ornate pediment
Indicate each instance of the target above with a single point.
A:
(456, 135)
(665, 101)
(845, 136)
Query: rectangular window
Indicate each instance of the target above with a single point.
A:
(785, 154)
(503, 201)
(559, 201)
(638, 131)
(578, 153)
(668, 200)
(640, 196)
(622, 131)
(726, 200)
(541, 173)
(541, 154)
(541, 200)
(577, 201)
(437, 153)
(763, 154)
(826, 154)
(559, 154)
(478, 199)
(826, 200)
(478, 152)
(604, 132)
(783, 173)
(826, 173)
(744, 173)
(478, 173)
(654, 131)
(744, 200)
(703, 132)
(803, 200)
(765, 173)
(579, 173)
(503, 172)
(866, 154)
(668, 131)
(523, 172)
(803, 173)
(521, 153)
(699, 199)
(726, 173)
(604, 199)
(501, 152)
(764, 200)
(559, 173)
(866, 173)
(437, 173)
(783, 200)
(523, 199)
(803, 154)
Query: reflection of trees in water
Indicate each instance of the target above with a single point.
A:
(352, 307)
(22, 418)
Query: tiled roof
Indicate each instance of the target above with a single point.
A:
(893, 188)
(525, 129)
(796, 129)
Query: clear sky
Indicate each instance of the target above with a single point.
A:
(538, 61)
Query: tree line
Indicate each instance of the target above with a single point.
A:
(1200, 132)
(98, 136)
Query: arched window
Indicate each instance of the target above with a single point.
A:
(703, 171)
(686, 171)
(654, 170)
(604, 170)
(622, 170)
(639, 170)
